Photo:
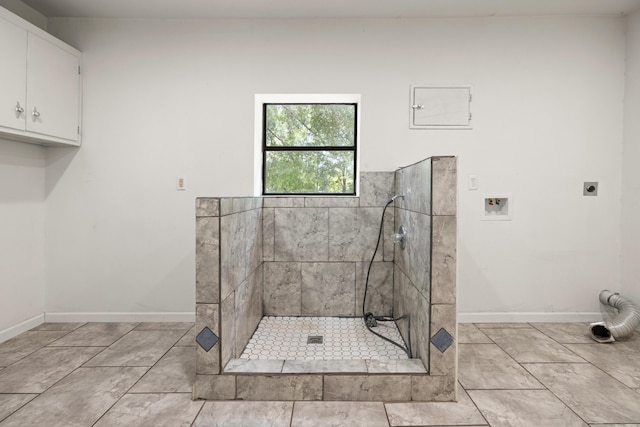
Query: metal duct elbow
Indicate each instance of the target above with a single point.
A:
(622, 325)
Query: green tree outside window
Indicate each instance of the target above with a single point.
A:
(309, 149)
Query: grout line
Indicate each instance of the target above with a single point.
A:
(293, 407)
(386, 413)
(474, 402)
(560, 344)
(554, 363)
(572, 353)
(20, 407)
(555, 395)
(123, 394)
(76, 346)
(507, 389)
(184, 335)
(37, 349)
(612, 377)
(199, 412)
(157, 392)
(137, 381)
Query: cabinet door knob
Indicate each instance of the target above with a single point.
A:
(35, 113)
(417, 106)
(19, 109)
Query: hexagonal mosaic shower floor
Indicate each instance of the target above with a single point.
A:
(322, 338)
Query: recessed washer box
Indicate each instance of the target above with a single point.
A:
(497, 207)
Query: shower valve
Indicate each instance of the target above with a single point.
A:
(401, 237)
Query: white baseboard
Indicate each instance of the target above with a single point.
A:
(529, 317)
(120, 317)
(21, 327)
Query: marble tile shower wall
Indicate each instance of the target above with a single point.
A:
(308, 256)
(317, 249)
(424, 275)
(229, 277)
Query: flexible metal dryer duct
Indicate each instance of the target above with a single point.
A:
(622, 325)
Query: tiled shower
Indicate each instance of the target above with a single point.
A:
(279, 272)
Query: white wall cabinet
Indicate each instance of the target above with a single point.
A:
(39, 85)
(13, 75)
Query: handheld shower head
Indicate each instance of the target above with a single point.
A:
(396, 196)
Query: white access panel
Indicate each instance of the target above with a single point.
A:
(440, 107)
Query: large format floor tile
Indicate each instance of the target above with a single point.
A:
(58, 327)
(486, 366)
(524, 408)
(188, 339)
(152, 410)
(531, 346)
(485, 326)
(633, 341)
(592, 394)
(174, 373)
(334, 414)
(464, 412)
(502, 391)
(614, 425)
(164, 326)
(23, 345)
(78, 400)
(137, 348)
(42, 369)
(95, 334)
(619, 360)
(245, 414)
(566, 333)
(9, 403)
(469, 333)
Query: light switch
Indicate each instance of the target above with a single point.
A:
(472, 182)
(181, 183)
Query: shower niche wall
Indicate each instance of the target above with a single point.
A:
(280, 283)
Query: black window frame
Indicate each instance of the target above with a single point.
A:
(266, 149)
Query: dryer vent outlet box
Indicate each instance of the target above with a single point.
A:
(440, 107)
(590, 188)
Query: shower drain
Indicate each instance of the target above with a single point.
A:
(314, 339)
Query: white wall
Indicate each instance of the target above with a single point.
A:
(165, 97)
(630, 166)
(22, 225)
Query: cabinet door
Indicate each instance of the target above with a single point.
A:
(13, 75)
(52, 89)
(441, 107)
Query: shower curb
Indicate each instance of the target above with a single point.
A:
(387, 387)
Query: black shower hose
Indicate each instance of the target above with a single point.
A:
(366, 316)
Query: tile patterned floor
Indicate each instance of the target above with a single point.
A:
(285, 338)
(102, 375)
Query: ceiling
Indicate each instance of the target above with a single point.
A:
(326, 8)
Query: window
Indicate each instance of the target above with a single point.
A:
(309, 148)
